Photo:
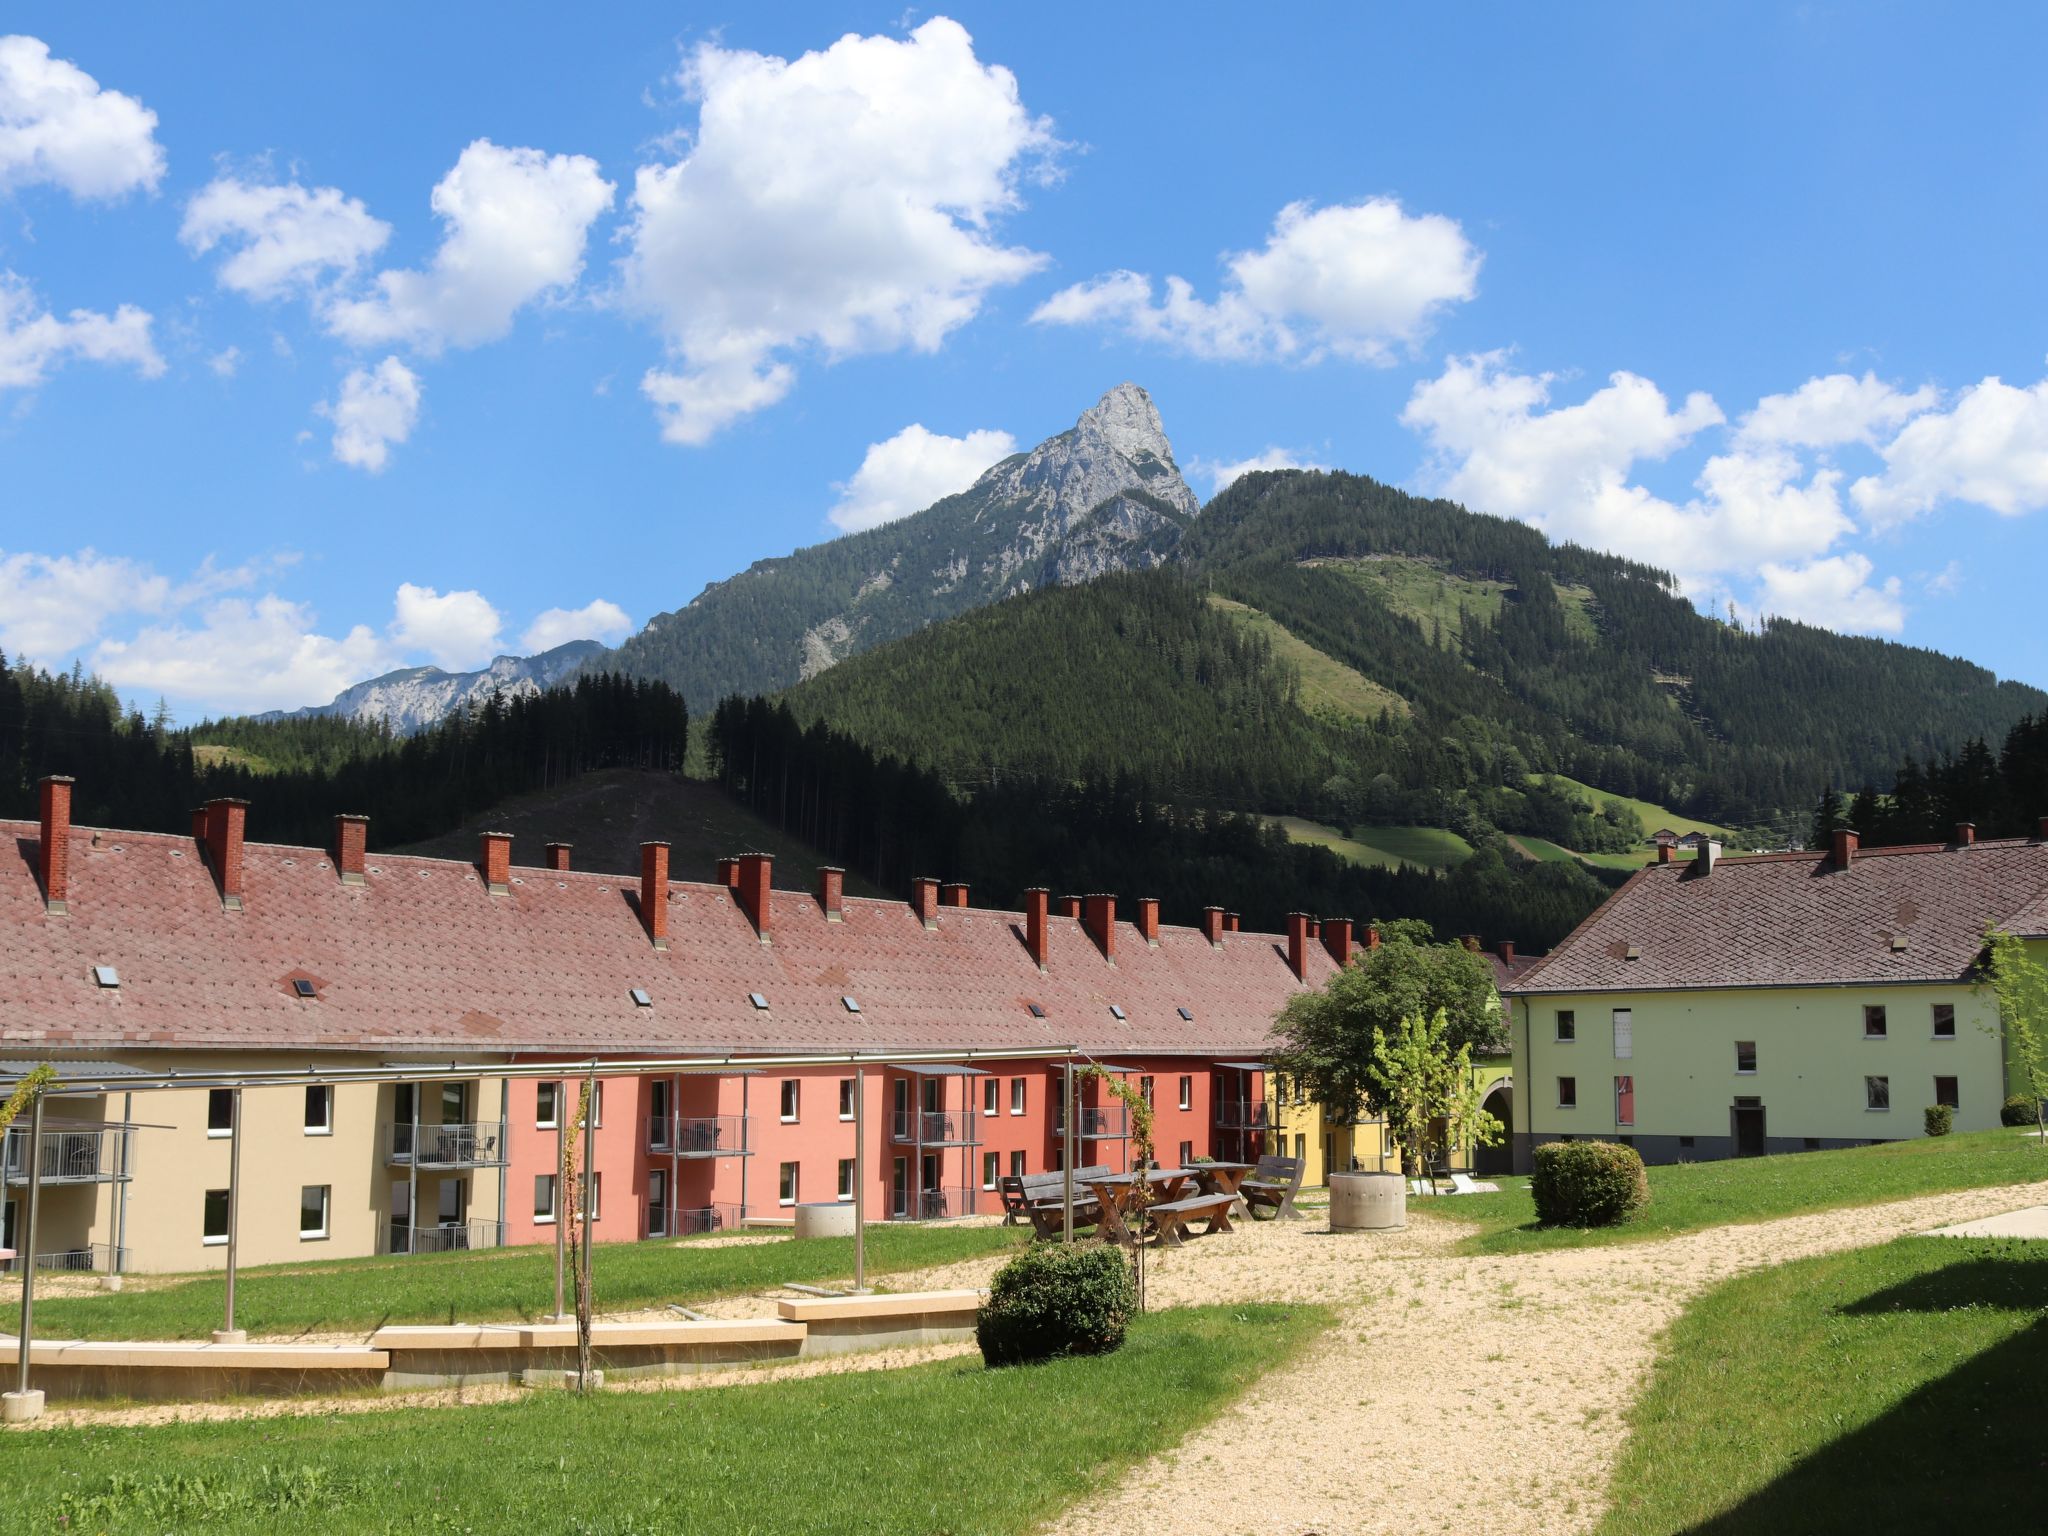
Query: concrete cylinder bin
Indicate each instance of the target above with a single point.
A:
(1368, 1202)
(825, 1218)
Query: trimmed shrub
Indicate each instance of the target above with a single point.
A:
(1588, 1184)
(1941, 1119)
(2018, 1110)
(1056, 1299)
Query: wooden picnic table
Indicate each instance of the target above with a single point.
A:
(1221, 1178)
(1114, 1193)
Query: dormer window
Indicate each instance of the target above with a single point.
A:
(302, 986)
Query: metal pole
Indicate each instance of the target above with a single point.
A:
(234, 1204)
(504, 1151)
(860, 1179)
(561, 1194)
(1067, 1149)
(121, 1189)
(412, 1178)
(675, 1150)
(589, 1182)
(746, 1135)
(24, 1331)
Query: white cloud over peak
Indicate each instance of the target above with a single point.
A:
(60, 127)
(595, 620)
(284, 239)
(1835, 592)
(457, 631)
(908, 472)
(244, 654)
(1357, 280)
(33, 341)
(1223, 476)
(516, 221)
(1990, 447)
(1832, 410)
(842, 201)
(376, 409)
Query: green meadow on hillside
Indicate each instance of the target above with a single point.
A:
(1327, 685)
(1384, 847)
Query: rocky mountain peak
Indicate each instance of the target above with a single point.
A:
(1118, 445)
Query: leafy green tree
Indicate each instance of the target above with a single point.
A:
(2020, 983)
(1422, 1083)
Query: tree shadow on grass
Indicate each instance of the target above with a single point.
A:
(1968, 1452)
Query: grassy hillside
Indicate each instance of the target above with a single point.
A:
(1327, 685)
(1648, 814)
(1381, 847)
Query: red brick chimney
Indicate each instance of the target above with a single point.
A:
(831, 892)
(729, 873)
(1315, 927)
(1372, 935)
(1845, 847)
(756, 871)
(654, 892)
(199, 826)
(351, 841)
(1506, 950)
(1664, 853)
(953, 894)
(1966, 833)
(558, 857)
(2041, 828)
(924, 900)
(494, 856)
(1101, 921)
(1067, 906)
(1337, 940)
(1297, 944)
(1037, 907)
(225, 820)
(53, 852)
(1148, 921)
(1232, 923)
(1212, 925)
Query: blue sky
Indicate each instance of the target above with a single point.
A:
(336, 341)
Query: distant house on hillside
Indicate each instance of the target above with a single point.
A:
(1785, 1002)
(1664, 837)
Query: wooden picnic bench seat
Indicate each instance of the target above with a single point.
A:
(1273, 1186)
(1046, 1200)
(1171, 1220)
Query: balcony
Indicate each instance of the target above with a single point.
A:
(448, 1146)
(1111, 1124)
(691, 1221)
(703, 1136)
(445, 1237)
(90, 1155)
(1248, 1114)
(935, 1128)
(945, 1205)
(86, 1259)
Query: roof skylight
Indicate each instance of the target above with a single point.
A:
(304, 987)
(852, 1005)
(1116, 1010)
(641, 998)
(757, 999)
(106, 976)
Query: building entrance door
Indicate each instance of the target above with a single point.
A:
(1748, 1116)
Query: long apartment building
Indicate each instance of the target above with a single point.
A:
(145, 953)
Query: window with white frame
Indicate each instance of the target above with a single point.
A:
(1624, 1033)
(1567, 1093)
(1145, 1091)
(1567, 1026)
(1877, 1093)
(220, 1111)
(544, 1197)
(1016, 1095)
(1875, 1026)
(1187, 1093)
(547, 1099)
(1187, 1153)
(846, 1178)
(319, 1109)
(845, 1098)
(789, 1100)
(991, 1095)
(1016, 1165)
(1944, 1021)
(1947, 1090)
(1745, 1057)
(597, 1104)
(990, 1161)
(214, 1218)
(1624, 1100)
(313, 1203)
(785, 1191)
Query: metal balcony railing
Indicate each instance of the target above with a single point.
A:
(944, 1204)
(87, 1258)
(449, 1146)
(99, 1155)
(692, 1221)
(934, 1128)
(1103, 1124)
(1248, 1114)
(699, 1136)
(449, 1237)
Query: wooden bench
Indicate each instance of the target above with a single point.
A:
(1171, 1220)
(1046, 1202)
(1273, 1186)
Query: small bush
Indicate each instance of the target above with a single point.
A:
(2018, 1110)
(1941, 1119)
(1588, 1184)
(1056, 1299)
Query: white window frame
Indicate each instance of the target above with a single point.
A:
(846, 1098)
(1884, 1019)
(991, 1169)
(219, 1132)
(316, 1234)
(792, 1100)
(846, 1178)
(1624, 1020)
(1751, 1069)
(1562, 1103)
(548, 1217)
(1565, 1019)
(553, 1093)
(788, 1177)
(1956, 1078)
(1877, 1109)
(991, 1097)
(1630, 1122)
(1187, 1093)
(1017, 1096)
(1934, 1021)
(214, 1239)
(1187, 1153)
(1017, 1165)
(326, 1127)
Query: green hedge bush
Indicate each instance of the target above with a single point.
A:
(1940, 1119)
(2017, 1110)
(1587, 1184)
(1056, 1299)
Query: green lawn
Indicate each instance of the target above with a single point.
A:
(351, 1294)
(1543, 850)
(1897, 1388)
(1327, 684)
(1384, 847)
(1685, 1197)
(948, 1447)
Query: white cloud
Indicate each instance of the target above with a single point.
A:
(842, 201)
(1357, 280)
(1946, 582)
(595, 620)
(377, 407)
(244, 654)
(33, 341)
(284, 239)
(1826, 412)
(1223, 476)
(1835, 592)
(52, 604)
(457, 630)
(913, 469)
(58, 126)
(517, 222)
(1990, 447)
(225, 363)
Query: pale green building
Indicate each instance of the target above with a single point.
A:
(1717, 1007)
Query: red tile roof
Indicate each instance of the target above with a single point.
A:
(1794, 919)
(421, 958)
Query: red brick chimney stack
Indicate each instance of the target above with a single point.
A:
(1297, 944)
(1068, 906)
(1148, 921)
(1663, 853)
(351, 842)
(953, 894)
(1212, 925)
(1966, 833)
(1846, 841)
(199, 826)
(1037, 908)
(53, 852)
(756, 873)
(924, 900)
(1337, 940)
(558, 857)
(1315, 927)
(729, 873)
(1506, 950)
(225, 820)
(654, 892)
(495, 857)
(831, 892)
(1101, 921)
(2041, 828)
(1232, 923)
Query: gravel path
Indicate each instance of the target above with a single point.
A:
(1414, 1413)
